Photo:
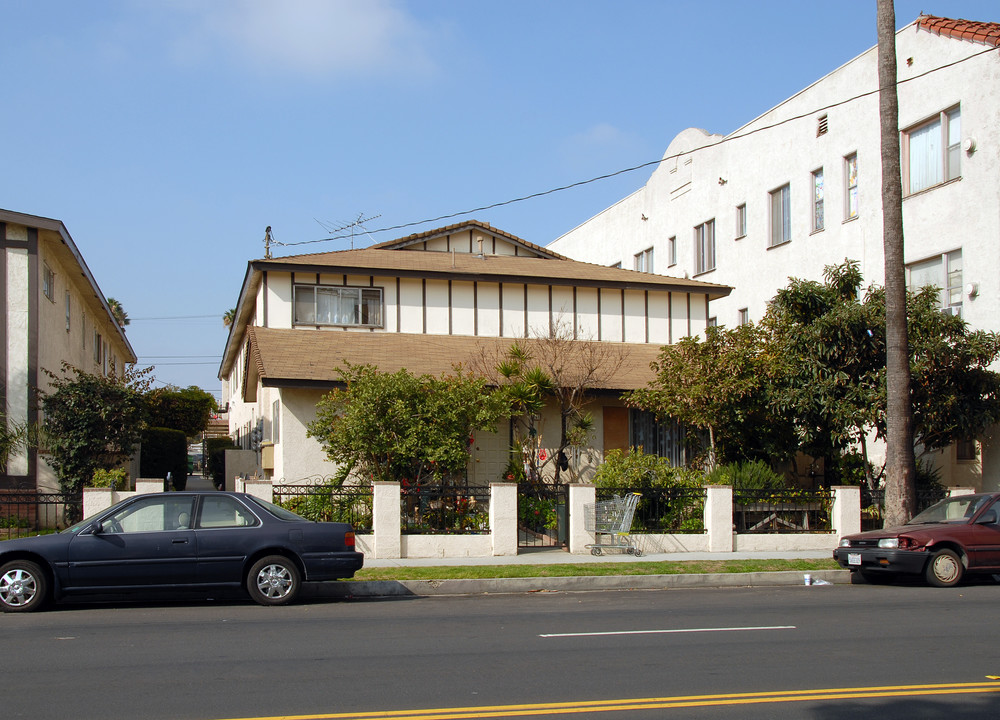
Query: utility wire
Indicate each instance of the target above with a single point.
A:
(726, 139)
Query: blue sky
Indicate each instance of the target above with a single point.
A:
(167, 135)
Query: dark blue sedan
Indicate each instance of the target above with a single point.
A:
(178, 540)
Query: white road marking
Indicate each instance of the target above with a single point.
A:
(665, 632)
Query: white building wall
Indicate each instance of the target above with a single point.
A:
(17, 390)
(707, 176)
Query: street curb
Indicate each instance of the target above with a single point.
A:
(502, 586)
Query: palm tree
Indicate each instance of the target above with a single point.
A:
(118, 312)
(229, 317)
(900, 468)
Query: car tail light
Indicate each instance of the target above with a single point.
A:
(349, 539)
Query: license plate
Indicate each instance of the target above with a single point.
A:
(853, 558)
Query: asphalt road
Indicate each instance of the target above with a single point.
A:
(906, 651)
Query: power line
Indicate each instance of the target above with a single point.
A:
(726, 139)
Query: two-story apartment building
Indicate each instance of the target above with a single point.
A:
(799, 188)
(426, 303)
(54, 313)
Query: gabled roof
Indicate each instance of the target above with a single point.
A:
(418, 238)
(987, 33)
(310, 358)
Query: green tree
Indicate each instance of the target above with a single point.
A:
(403, 428)
(92, 421)
(118, 312)
(228, 317)
(186, 409)
(13, 437)
(718, 385)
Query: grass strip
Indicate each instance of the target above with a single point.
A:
(479, 572)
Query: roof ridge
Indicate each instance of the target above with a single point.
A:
(986, 33)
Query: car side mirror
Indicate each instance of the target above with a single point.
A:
(96, 527)
(987, 518)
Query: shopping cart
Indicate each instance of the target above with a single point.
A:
(611, 521)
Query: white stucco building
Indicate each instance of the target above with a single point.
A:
(426, 303)
(799, 188)
(54, 313)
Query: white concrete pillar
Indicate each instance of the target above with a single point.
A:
(262, 489)
(580, 495)
(144, 486)
(386, 520)
(845, 516)
(503, 518)
(719, 517)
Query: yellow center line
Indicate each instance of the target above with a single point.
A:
(659, 703)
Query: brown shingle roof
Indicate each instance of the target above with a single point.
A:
(987, 33)
(311, 357)
(467, 224)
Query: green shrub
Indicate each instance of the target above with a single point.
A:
(116, 479)
(636, 470)
(164, 451)
(750, 475)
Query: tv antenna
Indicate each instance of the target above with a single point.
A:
(352, 226)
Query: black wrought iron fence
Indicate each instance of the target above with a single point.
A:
(329, 503)
(873, 504)
(782, 511)
(29, 512)
(445, 510)
(664, 510)
(542, 515)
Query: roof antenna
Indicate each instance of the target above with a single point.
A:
(267, 242)
(359, 223)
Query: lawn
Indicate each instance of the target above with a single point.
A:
(478, 572)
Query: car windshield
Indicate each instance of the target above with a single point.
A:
(958, 509)
(72, 529)
(278, 511)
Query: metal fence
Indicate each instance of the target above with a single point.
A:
(445, 510)
(873, 504)
(664, 510)
(328, 503)
(542, 515)
(29, 512)
(782, 511)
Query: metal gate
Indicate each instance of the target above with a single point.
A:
(542, 516)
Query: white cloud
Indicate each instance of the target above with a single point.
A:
(311, 37)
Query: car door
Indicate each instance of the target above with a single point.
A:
(983, 538)
(147, 543)
(228, 531)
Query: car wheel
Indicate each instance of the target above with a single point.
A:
(944, 568)
(274, 580)
(23, 586)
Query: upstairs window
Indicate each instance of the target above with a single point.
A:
(326, 305)
(943, 272)
(781, 216)
(851, 186)
(741, 221)
(672, 251)
(644, 260)
(818, 198)
(704, 247)
(48, 283)
(931, 152)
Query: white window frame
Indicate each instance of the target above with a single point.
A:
(365, 300)
(852, 199)
(938, 139)
(818, 201)
(780, 209)
(741, 221)
(704, 247)
(672, 250)
(951, 294)
(48, 282)
(69, 306)
(643, 261)
(743, 316)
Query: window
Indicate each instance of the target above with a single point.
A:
(781, 216)
(664, 438)
(965, 451)
(741, 221)
(743, 316)
(851, 186)
(943, 272)
(704, 247)
(152, 514)
(817, 208)
(220, 511)
(713, 322)
(931, 152)
(98, 348)
(48, 282)
(672, 251)
(275, 421)
(68, 306)
(644, 260)
(325, 305)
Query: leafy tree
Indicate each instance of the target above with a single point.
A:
(13, 437)
(229, 317)
(92, 421)
(550, 367)
(118, 312)
(718, 385)
(186, 409)
(403, 428)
